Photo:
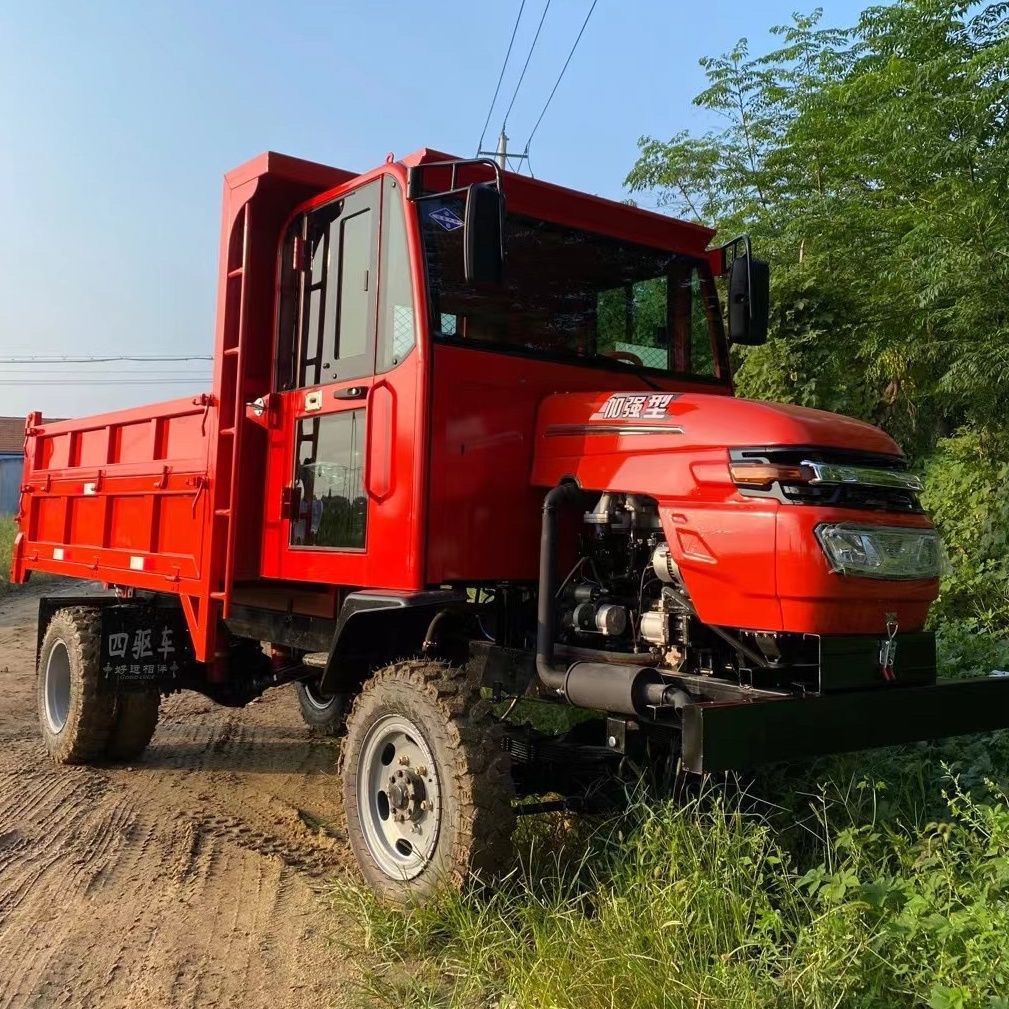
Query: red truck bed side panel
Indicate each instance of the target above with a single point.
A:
(118, 498)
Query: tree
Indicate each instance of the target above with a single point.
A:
(871, 165)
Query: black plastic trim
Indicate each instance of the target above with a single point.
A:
(729, 736)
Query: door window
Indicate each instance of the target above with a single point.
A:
(330, 508)
(328, 279)
(397, 334)
(702, 351)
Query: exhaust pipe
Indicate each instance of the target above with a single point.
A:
(621, 689)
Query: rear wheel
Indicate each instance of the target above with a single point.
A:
(325, 714)
(75, 705)
(426, 782)
(136, 717)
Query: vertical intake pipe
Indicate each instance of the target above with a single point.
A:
(546, 605)
(623, 689)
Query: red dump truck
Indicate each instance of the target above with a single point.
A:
(472, 437)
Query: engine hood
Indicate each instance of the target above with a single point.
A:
(574, 428)
(749, 561)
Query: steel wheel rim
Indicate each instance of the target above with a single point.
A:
(57, 687)
(399, 797)
(318, 701)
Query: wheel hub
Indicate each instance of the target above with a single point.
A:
(407, 796)
(398, 796)
(57, 687)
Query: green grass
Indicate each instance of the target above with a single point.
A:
(7, 531)
(724, 901)
(871, 880)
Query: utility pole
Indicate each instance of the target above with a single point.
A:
(501, 155)
(502, 149)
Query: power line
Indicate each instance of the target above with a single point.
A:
(525, 66)
(497, 87)
(30, 376)
(56, 359)
(560, 76)
(195, 380)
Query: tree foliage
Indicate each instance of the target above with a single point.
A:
(871, 165)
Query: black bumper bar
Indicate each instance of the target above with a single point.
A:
(732, 735)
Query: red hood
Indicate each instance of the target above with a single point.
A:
(707, 421)
(577, 431)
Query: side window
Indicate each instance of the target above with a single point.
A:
(702, 360)
(327, 311)
(694, 322)
(289, 314)
(330, 508)
(397, 332)
(349, 333)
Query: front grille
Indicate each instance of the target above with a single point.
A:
(843, 495)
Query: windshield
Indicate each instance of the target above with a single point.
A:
(574, 294)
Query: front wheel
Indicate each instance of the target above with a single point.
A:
(325, 714)
(426, 782)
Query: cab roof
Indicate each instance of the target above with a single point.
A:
(583, 210)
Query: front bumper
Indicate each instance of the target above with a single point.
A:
(737, 734)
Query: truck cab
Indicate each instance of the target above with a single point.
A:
(403, 393)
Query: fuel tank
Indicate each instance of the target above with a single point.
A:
(749, 556)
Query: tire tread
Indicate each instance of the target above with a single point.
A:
(481, 773)
(136, 718)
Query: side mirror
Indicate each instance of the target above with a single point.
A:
(414, 183)
(749, 300)
(483, 239)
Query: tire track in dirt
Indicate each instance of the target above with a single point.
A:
(189, 879)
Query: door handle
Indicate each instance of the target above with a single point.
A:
(290, 502)
(351, 392)
(379, 463)
(262, 410)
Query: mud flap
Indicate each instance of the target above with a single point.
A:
(143, 643)
(145, 646)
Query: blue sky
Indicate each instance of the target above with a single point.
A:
(119, 119)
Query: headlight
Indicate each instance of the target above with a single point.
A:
(881, 551)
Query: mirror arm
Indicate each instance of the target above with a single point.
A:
(733, 245)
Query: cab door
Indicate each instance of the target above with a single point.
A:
(343, 469)
(318, 511)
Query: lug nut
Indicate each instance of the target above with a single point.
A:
(405, 760)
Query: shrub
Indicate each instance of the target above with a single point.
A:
(965, 481)
(7, 531)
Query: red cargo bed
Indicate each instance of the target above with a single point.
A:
(124, 499)
(118, 497)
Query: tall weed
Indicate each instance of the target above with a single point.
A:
(840, 896)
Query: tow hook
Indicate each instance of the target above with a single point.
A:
(888, 649)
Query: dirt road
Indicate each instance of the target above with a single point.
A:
(189, 879)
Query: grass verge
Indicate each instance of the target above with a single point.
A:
(7, 531)
(885, 885)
